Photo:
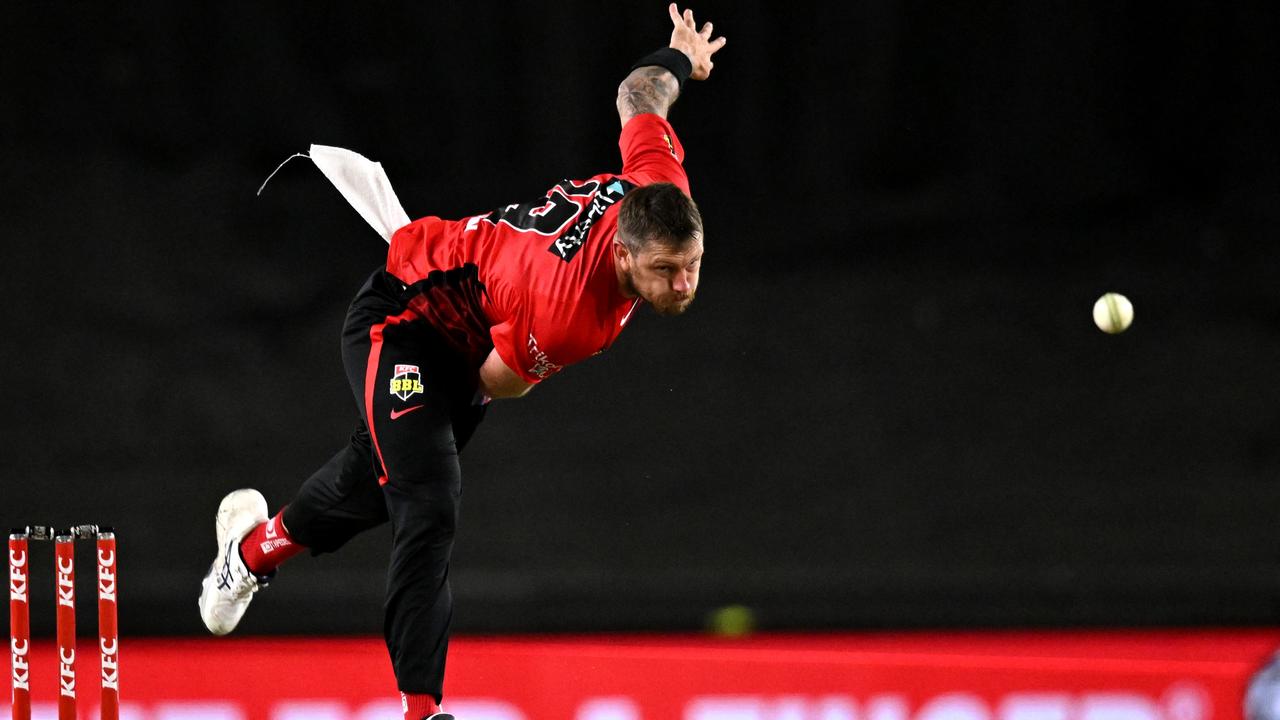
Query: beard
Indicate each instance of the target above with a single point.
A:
(668, 305)
(672, 306)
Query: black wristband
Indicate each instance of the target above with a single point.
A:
(676, 63)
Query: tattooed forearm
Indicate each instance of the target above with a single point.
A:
(648, 89)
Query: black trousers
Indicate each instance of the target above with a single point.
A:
(415, 396)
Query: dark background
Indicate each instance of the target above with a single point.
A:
(888, 408)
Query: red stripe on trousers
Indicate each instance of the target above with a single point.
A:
(371, 379)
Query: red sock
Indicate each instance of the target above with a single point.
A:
(417, 707)
(268, 545)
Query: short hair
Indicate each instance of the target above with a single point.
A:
(660, 213)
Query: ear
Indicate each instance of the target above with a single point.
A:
(621, 254)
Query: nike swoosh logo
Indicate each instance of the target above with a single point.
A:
(397, 413)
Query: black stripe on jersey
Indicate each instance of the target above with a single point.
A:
(452, 301)
(571, 240)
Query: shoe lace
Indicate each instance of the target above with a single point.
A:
(239, 585)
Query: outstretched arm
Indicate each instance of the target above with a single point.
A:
(653, 88)
(648, 89)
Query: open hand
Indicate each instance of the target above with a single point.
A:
(697, 44)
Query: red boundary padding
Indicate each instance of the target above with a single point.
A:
(1126, 675)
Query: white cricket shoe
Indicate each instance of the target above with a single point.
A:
(229, 586)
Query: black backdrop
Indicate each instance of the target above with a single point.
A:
(889, 406)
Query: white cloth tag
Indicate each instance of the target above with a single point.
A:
(365, 185)
(362, 182)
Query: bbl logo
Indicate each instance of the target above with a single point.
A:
(406, 382)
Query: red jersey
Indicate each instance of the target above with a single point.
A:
(536, 280)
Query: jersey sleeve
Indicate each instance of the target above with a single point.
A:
(532, 349)
(513, 352)
(651, 152)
